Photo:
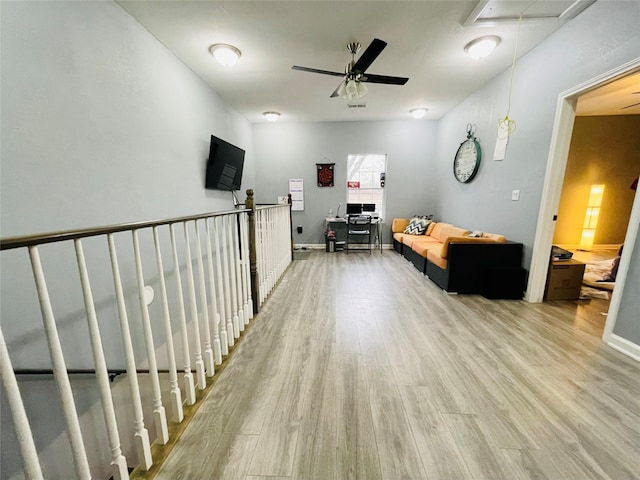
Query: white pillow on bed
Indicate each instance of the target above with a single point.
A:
(596, 271)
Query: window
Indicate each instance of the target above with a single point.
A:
(365, 179)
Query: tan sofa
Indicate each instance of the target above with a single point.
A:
(451, 258)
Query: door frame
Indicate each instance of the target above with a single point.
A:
(552, 188)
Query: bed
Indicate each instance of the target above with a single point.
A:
(597, 274)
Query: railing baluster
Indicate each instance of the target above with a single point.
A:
(217, 352)
(208, 351)
(262, 257)
(270, 215)
(118, 462)
(246, 265)
(224, 341)
(159, 415)
(189, 388)
(200, 376)
(78, 451)
(141, 436)
(175, 401)
(232, 278)
(227, 289)
(28, 450)
(235, 251)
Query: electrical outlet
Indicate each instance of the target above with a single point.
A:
(515, 195)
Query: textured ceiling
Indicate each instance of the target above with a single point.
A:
(425, 39)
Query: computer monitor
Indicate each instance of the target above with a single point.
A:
(354, 208)
(368, 207)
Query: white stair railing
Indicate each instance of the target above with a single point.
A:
(273, 247)
(225, 307)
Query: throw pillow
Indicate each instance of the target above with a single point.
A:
(417, 226)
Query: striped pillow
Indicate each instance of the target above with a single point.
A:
(418, 225)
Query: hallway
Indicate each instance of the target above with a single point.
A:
(358, 367)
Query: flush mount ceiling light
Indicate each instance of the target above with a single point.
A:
(418, 112)
(481, 47)
(227, 55)
(271, 116)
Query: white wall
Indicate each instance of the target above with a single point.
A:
(601, 38)
(291, 150)
(101, 124)
(628, 323)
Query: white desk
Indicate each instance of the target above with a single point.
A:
(343, 220)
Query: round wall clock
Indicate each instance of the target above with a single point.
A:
(467, 159)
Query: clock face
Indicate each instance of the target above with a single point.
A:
(467, 160)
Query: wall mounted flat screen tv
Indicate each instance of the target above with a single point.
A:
(224, 167)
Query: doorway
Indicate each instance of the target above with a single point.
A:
(553, 182)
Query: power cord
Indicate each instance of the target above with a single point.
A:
(507, 126)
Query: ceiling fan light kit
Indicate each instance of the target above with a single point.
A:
(418, 113)
(482, 47)
(271, 116)
(224, 53)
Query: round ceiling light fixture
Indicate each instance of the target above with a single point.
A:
(482, 47)
(226, 54)
(271, 116)
(418, 112)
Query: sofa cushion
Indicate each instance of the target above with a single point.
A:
(434, 257)
(398, 236)
(495, 237)
(437, 231)
(421, 247)
(430, 228)
(453, 232)
(399, 224)
(417, 226)
(409, 239)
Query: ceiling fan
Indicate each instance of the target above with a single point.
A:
(355, 75)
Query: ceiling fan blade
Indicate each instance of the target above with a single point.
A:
(315, 70)
(369, 55)
(370, 78)
(335, 92)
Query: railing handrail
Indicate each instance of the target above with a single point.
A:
(52, 237)
(271, 205)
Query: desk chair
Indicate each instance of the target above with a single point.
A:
(358, 227)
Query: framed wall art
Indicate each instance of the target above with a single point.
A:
(325, 174)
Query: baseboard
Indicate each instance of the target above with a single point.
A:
(601, 246)
(624, 346)
(321, 246)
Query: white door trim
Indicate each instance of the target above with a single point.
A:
(552, 188)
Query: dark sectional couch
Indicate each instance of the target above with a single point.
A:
(487, 264)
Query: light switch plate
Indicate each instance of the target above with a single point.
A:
(515, 195)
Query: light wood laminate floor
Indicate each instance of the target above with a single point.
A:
(359, 367)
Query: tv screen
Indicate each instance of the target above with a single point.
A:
(224, 168)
